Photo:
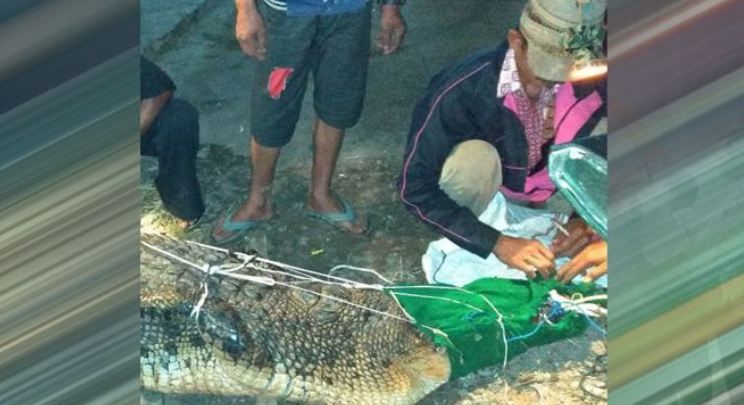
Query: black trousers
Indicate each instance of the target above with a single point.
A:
(174, 140)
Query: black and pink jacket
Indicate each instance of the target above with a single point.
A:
(460, 104)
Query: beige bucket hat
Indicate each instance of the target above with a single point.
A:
(562, 34)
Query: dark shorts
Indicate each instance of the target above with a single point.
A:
(334, 48)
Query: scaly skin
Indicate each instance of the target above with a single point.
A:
(275, 341)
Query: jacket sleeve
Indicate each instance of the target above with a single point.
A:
(441, 120)
(153, 80)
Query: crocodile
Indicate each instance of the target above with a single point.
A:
(272, 341)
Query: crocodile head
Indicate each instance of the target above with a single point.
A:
(290, 341)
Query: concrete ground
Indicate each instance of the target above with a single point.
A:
(158, 19)
(205, 61)
(201, 55)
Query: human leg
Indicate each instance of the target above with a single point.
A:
(174, 139)
(342, 47)
(277, 92)
(471, 175)
(342, 51)
(321, 200)
(258, 205)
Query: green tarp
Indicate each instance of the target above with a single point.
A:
(474, 337)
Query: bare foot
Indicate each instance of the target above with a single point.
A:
(184, 224)
(253, 210)
(329, 204)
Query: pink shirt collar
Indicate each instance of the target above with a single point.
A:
(509, 77)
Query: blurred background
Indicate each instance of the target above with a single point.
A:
(676, 196)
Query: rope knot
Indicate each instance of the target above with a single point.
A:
(210, 269)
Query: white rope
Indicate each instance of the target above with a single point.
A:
(171, 255)
(317, 280)
(601, 297)
(306, 275)
(311, 276)
(432, 297)
(210, 270)
(306, 271)
(199, 304)
(318, 275)
(435, 331)
(270, 271)
(245, 263)
(407, 314)
(267, 281)
(583, 304)
(299, 273)
(499, 320)
(360, 269)
(432, 287)
(332, 298)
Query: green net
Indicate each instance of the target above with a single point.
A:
(468, 321)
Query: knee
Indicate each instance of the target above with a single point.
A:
(184, 112)
(472, 162)
(181, 120)
(176, 130)
(472, 174)
(179, 114)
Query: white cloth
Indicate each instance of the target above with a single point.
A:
(446, 263)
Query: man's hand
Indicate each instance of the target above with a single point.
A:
(392, 29)
(250, 32)
(529, 256)
(594, 255)
(579, 235)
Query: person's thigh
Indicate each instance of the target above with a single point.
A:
(343, 44)
(471, 175)
(281, 79)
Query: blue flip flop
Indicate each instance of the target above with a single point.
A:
(334, 218)
(236, 228)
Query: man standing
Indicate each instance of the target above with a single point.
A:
(169, 129)
(290, 39)
(486, 125)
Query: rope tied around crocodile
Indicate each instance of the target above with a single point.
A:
(463, 320)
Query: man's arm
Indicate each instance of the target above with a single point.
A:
(249, 29)
(150, 108)
(392, 26)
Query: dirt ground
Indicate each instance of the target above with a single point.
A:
(204, 61)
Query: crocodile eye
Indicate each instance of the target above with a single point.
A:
(221, 329)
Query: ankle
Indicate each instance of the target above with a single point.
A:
(258, 202)
(259, 198)
(321, 195)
